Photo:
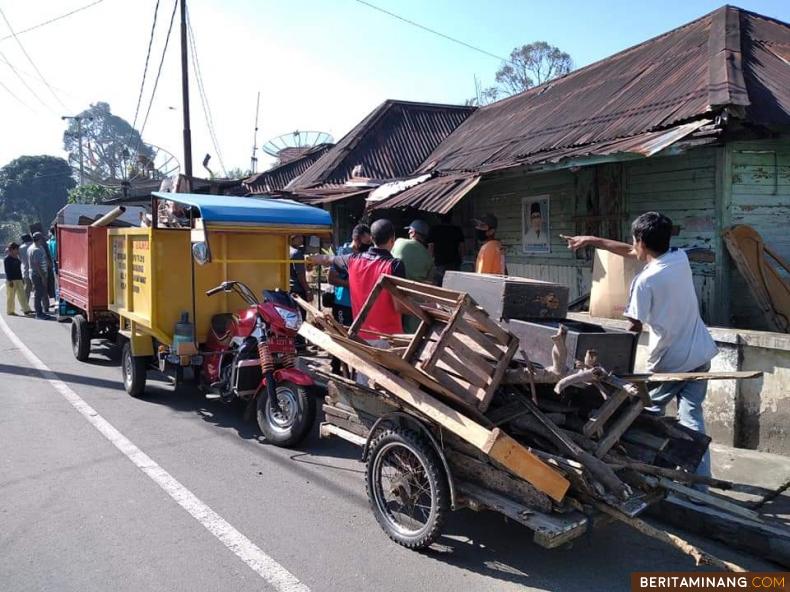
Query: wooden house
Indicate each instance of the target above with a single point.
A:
(694, 123)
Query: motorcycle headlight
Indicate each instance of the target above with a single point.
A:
(291, 318)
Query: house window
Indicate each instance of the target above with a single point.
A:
(535, 229)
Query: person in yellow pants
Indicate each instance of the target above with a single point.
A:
(14, 286)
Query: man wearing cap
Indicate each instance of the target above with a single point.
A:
(39, 273)
(414, 253)
(491, 257)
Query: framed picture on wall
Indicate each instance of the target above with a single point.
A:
(535, 228)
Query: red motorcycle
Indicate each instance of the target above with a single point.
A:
(251, 355)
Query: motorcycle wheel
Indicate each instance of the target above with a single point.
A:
(286, 421)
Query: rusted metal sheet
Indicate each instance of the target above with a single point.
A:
(728, 58)
(390, 142)
(438, 195)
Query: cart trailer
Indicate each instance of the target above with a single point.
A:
(82, 281)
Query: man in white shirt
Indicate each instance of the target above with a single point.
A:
(662, 297)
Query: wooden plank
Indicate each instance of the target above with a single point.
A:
(594, 426)
(471, 374)
(499, 374)
(487, 323)
(523, 463)
(363, 313)
(467, 355)
(684, 376)
(706, 498)
(414, 344)
(618, 427)
(550, 530)
(424, 288)
(510, 454)
(327, 429)
(469, 393)
(432, 352)
(470, 468)
(482, 340)
(413, 308)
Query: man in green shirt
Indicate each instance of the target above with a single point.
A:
(417, 260)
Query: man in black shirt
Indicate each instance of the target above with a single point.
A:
(446, 244)
(14, 285)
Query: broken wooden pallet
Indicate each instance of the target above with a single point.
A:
(456, 343)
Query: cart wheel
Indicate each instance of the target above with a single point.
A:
(407, 488)
(80, 338)
(134, 370)
(286, 421)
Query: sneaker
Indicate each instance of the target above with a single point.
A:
(44, 317)
(29, 313)
(11, 314)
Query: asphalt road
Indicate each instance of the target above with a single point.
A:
(77, 514)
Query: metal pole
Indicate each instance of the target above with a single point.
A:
(185, 97)
(79, 136)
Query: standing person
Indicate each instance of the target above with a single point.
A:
(14, 285)
(413, 251)
(364, 269)
(662, 297)
(298, 283)
(52, 256)
(361, 241)
(39, 270)
(446, 244)
(491, 257)
(27, 242)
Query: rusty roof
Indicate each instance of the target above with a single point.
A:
(276, 178)
(390, 142)
(730, 59)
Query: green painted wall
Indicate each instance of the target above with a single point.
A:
(759, 176)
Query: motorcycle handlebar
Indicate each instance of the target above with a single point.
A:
(215, 290)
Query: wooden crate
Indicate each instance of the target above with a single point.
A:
(457, 345)
(507, 297)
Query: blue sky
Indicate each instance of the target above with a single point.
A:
(319, 64)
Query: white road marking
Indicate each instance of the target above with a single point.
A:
(271, 571)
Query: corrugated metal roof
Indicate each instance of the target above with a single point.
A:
(277, 177)
(390, 142)
(729, 57)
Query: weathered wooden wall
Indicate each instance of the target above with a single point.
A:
(602, 200)
(759, 195)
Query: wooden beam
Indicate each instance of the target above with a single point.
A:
(499, 446)
(684, 376)
(620, 425)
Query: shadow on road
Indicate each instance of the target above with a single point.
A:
(65, 376)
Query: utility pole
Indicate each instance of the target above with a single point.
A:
(78, 119)
(185, 97)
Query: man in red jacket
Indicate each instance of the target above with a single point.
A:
(364, 270)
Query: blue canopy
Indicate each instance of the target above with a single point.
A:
(231, 209)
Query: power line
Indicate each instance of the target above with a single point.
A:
(29, 59)
(13, 94)
(52, 20)
(24, 82)
(145, 72)
(435, 32)
(203, 97)
(158, 74)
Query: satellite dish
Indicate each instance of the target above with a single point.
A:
(127, 171)
(293, 145)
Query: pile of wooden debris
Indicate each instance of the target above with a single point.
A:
(531, 442)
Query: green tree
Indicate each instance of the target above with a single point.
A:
(112, 149)
(34, 188)
(238, 173)
(529, 65)
(91, 194)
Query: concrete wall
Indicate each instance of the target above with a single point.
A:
(753, 413)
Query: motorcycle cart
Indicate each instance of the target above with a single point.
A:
(190, 294)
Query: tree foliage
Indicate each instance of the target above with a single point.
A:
(112, 149)
(528, 66)
(34, 188)
(91, 194)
